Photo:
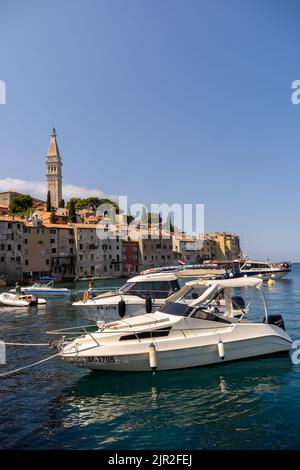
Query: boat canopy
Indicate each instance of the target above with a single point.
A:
(153, 277)
(229, 283)
(46, 278)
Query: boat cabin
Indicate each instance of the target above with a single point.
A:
(155, 286)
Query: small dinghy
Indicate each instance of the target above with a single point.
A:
(13, 300)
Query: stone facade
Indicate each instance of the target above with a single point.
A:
(156, 250)
(63, 252)
(11, 246)
(36, 251)
(96, 257)
(228, 245)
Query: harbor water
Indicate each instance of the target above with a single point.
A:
(251, 404)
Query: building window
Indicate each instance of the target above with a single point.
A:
(26, 262)
(25, 241)
(9, 225)
(47, 261)
(41, 242)
(19, 247)
(53, 250)
(52, 240)
(18, 226)
(8, 247)
(80, 246)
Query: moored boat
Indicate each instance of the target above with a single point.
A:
(45, 288)
(140, 294)
(13, 300)
(181, 335)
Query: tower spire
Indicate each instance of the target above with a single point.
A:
(54, 173)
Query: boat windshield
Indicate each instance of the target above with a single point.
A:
(176, 308)
(183, 310)
(153, 289)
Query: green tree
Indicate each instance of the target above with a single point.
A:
(62, 204)
(48, 208)
(168, 225)
(72, 211)
(78, 203)
(53, 217)
(91, 203)
(21, 204)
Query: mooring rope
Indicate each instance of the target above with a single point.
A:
(15, 371)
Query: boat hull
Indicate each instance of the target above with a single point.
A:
(11, 300)
(182, 358)
(266, 275)
(44, 292)
(110, 312)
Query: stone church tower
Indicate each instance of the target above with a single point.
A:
(54, 174)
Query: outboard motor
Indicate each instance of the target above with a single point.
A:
(33, 301)
(275, 320)
(238, 302)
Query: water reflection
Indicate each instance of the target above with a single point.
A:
(115, 407)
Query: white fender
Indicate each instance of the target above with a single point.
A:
(152, 357)
(221, 349)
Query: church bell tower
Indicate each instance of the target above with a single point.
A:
(54, 173)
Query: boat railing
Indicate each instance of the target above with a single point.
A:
(161, 294)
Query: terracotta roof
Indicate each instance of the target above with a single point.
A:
(65, 226)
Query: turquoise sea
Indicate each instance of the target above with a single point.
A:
(244, 405)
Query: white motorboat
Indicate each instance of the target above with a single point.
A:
(13, 300)
(183, 334)
(141, 294)
(47, 289)
(264, 269)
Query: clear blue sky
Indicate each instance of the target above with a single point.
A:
(162, 100)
